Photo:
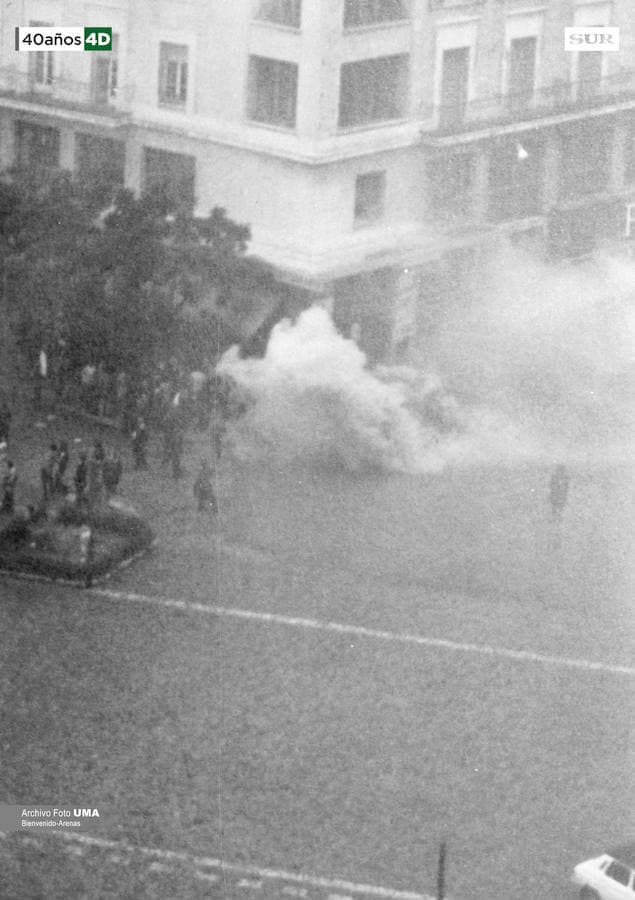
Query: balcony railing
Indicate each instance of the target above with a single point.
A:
(79, 95)
(561, 97)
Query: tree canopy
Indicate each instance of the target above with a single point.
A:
(118, 284)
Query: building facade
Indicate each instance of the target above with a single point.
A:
(373, 146)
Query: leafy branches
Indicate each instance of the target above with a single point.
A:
(115, 284)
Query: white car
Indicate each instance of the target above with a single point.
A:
(607, 877)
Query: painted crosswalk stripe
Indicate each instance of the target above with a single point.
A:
(527, 656)
(207, 876)
(158, 867)
(253, 873)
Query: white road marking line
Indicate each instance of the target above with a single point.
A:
(201, 862)
(158, 867)
(362, 631)
(252, 884)
(205, 876)
(294, 891)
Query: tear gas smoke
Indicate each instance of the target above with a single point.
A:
(313, 398)
(537, 362)
(550, 348)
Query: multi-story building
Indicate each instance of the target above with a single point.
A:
(372, 145)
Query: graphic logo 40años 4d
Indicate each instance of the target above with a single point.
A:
(38, 37)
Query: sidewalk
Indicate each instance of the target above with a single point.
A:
(154, 493)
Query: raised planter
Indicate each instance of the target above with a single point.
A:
(54, 545)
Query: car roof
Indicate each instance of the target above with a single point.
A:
(625, 853)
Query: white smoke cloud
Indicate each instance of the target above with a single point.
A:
(551, 347)
(539, 363)
(312, 397)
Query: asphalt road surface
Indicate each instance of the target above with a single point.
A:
(354, 669)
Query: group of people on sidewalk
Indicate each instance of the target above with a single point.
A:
(96, 477)
(103, 390)
(173, 439)
(165, 402)
(168, 405)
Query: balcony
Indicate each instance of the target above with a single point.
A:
(63, 93)
(562, 98)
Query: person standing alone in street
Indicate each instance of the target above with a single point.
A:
(558, 490)
(204, 489)
(5, 420)
(8, 488)
(139, 444)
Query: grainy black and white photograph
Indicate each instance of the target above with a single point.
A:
(317, 393)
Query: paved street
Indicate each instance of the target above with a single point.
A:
(388, 661)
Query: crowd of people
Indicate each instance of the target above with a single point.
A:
(160, 405)
(96, 476)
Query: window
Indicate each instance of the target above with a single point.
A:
(273, 86)
(106, 74)
(100, 163)
(589, 75)
(371, 12)
(36, 145)
(170, 176)
(282, 12)
(455, 75)
(619, 872)
(370, 193)
(172, 74)
(42, 63)
(451, 179)
(516, 178)
(522, 72)
(373, 90)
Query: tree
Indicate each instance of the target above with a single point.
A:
(120, 285)
(46, 230)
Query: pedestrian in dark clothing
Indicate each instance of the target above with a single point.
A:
(173, 436)
(558, 490)
(81, 477)
(87, 553)
(121, 394)
(112, 472)
(218, 432)
(99, 452)
(139, 445)
(103, 385)
(5, 421)
(47, 473)
(41, 371)
(59, 485)
(176, 451)
(8, 488)
(204, 489)
(94, 479)
(88, 377)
